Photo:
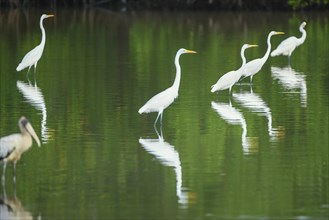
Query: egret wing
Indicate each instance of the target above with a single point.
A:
(252, 67)
(32, 57)
(286, 46)
(226, 81)
(159, 102)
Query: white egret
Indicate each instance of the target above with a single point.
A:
(254, 66)
(13, 146)
(288, 46)
(32, 57)
(230, 78)
(162, 100)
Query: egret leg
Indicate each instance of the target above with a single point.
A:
(156, 120)
(230, 90)
(3, 173)
(14, 177)
(250, 80)
(161, 120)
(27, 74)
(289, 60)
(35, 69)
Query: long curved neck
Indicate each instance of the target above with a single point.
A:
(265, 57)
(243, 62)
(243, 57)
(303, 37)
(178, 73)
(43, 40)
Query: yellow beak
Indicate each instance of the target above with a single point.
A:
(253, 45)
(48, 16)
(190, 51)
(279, 32)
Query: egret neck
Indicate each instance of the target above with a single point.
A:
(175, 86)
(303, 37)
(43, 39)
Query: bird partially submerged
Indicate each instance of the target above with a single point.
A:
(13, 146)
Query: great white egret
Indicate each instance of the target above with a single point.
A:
(162, 100)
(32, 57)
(288, 46)
(254, 66)
(13, 146)
(230, 78)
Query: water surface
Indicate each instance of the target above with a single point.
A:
(261, 152)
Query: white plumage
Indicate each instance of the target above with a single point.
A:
(230, 78)
(287, 47)
(254, 66)
(163, 99)
(32, 57)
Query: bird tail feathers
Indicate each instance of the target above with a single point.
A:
(141, 110)
(213, 88)
(274, 53)
(20, 67)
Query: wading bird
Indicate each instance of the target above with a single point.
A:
(288, 46)
(162, 100)
(13, 146)
(32, 57)
(230, 78)
(254, 66)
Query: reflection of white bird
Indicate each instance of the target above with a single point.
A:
(234, 117)
(13, 146)
(254, 66)
(162, 100)
(255, 103)
(34, 96)
(288, 46)
(291, 80)
(168, 156)
(230, 78)
(32, 57)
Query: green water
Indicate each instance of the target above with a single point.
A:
(265, 156)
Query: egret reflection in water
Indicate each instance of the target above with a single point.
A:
(291, 80)
(254, 103)
(168, 156)
(234, 117)
(34, 96)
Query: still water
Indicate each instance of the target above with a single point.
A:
(259, 153)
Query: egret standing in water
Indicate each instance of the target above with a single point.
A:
(32, 57)
(13, 146)
(230, 78)
(288, 46)
(162, 100)
(254, 66)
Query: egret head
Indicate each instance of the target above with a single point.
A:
(46, 16)
(303, 24)
(275, 33)
(182, 50)
(25, 126)
(245, 46)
